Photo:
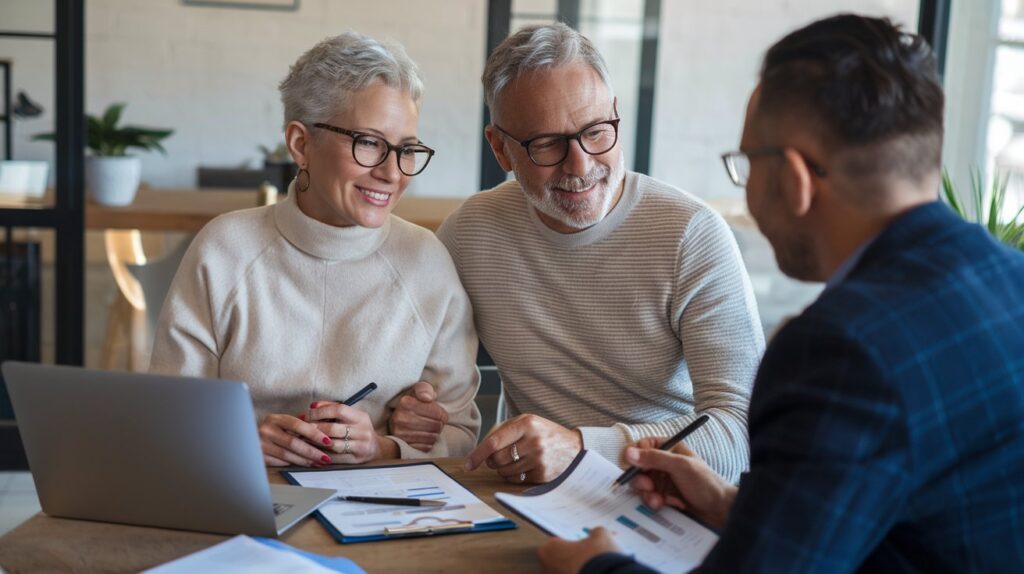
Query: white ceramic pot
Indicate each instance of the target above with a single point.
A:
(112, 180)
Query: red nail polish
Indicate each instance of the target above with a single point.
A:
(325, 458)
(312, 405)
(302, 417)
(327, 440)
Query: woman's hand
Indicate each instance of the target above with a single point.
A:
(353, 438)
(681, 479)
(288, 440)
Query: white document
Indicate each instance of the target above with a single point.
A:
(667, 540)
(425, 481)
(241, 555)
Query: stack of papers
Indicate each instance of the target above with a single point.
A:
(244, 555)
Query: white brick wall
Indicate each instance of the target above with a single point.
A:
(211, 73)
(710, 53)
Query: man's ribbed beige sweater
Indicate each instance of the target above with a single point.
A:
(305, 311)
(628, 329)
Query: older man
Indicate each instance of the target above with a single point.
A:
(886, 424)
(616, 307)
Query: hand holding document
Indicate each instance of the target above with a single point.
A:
(583, 498)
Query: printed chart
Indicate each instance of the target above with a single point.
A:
(666, 540)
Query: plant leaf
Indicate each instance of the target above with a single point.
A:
(112, 115)
(978, 195)
(951, 196)
(995, 206)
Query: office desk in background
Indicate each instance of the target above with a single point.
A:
(191, 209)
(45, 544)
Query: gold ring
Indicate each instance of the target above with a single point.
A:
(515, 453)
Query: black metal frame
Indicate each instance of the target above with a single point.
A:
(70, 207)
(499, 23)
(648, 82)
(499, 19)
(933, 25)
(67, 216)
(8, 116)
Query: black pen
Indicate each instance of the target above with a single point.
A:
(633, 471)
(360, 395)
(394, 501)
(354, 398)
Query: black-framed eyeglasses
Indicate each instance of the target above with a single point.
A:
(370, 151)
(547, 150)
(737, 163)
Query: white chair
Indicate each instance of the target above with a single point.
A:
(142, 288)
(155, 279)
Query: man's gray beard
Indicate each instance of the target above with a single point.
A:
(574, 212)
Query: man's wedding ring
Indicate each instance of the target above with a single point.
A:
(522, 477)
(515, 456)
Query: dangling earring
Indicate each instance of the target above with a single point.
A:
(298, 183)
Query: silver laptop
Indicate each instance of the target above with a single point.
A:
(172, 452)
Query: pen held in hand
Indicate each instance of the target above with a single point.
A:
(359, 395)
(393, 501)
(632, 471)
(351, 401)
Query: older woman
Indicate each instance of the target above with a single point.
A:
(313, 298)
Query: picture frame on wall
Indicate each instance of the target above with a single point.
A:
(281, 5)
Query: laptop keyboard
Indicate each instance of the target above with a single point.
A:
(280, 507)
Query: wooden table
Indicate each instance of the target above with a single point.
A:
(191, 209)
(45, 544)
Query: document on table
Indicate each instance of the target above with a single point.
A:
(582, 498)
(242, 554)
(358, 521)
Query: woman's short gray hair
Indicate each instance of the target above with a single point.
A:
(534, 48)
(320, 82)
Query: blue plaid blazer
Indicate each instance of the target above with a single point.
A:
(887, 420)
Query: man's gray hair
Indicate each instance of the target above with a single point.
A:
(319, 84)
(535, 48)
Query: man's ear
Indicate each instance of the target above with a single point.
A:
(498, 147)
(797, 185)
(297, 137)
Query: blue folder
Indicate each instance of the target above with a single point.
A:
(427, 530)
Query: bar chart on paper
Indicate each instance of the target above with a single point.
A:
(424, 481)
(666, 540)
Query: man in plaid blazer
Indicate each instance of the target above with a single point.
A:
(887, 420)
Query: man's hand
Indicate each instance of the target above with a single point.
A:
(527, 448)
(561, 556)
(680, 478)
(419, 419)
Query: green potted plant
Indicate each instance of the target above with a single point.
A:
(987, 211)
(112, 176)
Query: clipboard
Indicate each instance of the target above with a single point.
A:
(419, 522)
